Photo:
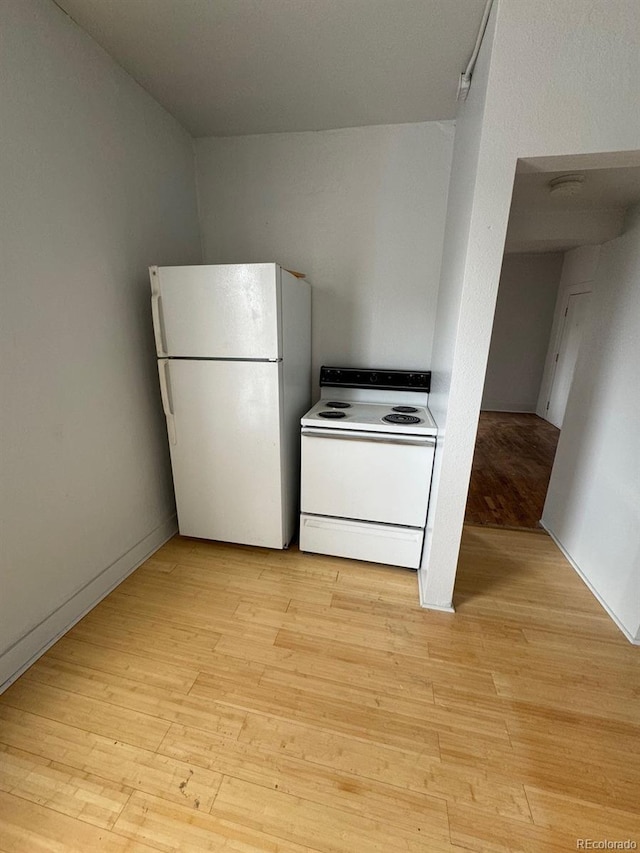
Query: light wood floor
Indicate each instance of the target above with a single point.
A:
(512, 464)
(235, 699)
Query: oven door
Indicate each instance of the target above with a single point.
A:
(366, 476)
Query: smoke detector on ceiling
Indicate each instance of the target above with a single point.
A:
(566, 185)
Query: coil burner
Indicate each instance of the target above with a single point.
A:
(332, 415)
(401, 419)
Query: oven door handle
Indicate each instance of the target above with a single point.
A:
(382, 438)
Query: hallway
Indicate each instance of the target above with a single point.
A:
(511, 468)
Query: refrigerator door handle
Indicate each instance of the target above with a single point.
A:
(156, 311)
(163, 367)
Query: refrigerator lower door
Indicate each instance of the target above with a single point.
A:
(224, 429)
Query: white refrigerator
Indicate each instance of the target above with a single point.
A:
(233, 344)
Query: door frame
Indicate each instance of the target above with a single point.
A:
(582, 289)
(553, 350)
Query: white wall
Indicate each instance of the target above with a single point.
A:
(521, 329)
(593, 502)
(360, 211)
(97, 183)
(559, 82)
(448, 400)
(578, 270)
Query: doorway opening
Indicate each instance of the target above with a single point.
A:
(512, 465)
(557, 223)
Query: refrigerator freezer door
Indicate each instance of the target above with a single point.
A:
(220, 311)
(226, 454)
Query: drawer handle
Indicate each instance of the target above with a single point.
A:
(410, 534)
(381, 438)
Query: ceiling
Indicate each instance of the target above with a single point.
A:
(230, 67)
(601, 188)
(233, 67)
(541, 222)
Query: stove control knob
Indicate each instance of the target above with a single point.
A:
(373, 378)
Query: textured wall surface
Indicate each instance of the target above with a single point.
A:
(97, 182)
(360, 211)
(593, 502)
(560, 83)
(521, 329)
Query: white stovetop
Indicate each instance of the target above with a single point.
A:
(364, 415)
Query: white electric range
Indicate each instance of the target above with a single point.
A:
(367, 458)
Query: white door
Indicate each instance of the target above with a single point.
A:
(223, 421)
(573, 327)
(363, 476)
(219, 311)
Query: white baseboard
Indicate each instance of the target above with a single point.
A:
(524, 409)
(441, 608)
(635, 640)
(25, 651)
(429, 605)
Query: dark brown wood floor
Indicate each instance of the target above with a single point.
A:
(511, 469)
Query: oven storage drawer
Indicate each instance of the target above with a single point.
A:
(358, 540)
(366, 476)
